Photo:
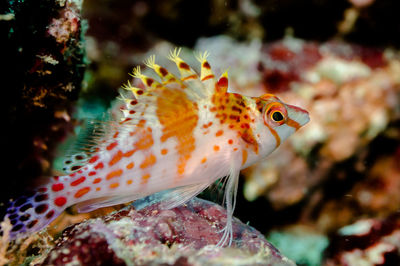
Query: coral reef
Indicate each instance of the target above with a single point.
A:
(185, 235)
(366, 242)
(43, 48)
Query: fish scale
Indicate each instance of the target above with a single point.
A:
(175, 137)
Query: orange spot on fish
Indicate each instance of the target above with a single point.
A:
(204, 160)
(244, 156)
(116, 135)
(164, 151)
(207, 77)
(216, 148)
(98, 189)
(114, 185)
(230, 141)
(178, 117)
(129, 153)
(116, 158)
(219, 133)
(78, 181)
(128, 182)
(82, 192)
(130, 165)
(97, 180)
(115, 173)
(145, 178)
(145, 142)
(148, 161)
(194, 76)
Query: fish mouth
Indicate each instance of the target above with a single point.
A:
(298, 114)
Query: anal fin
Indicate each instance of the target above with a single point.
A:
(171, 198)
(93, 204)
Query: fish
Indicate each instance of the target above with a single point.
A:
(175, 136)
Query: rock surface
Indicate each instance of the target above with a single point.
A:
(185, 235)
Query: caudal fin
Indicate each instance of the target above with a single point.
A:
(31, 212)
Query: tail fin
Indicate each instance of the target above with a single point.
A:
(32, 212)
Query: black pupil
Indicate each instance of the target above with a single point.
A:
(277, 116)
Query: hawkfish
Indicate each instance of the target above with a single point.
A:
(175, 137)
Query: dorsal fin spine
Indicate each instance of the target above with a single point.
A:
(185, 70)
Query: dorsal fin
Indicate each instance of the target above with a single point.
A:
(166, 76)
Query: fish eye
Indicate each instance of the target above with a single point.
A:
(277, 116)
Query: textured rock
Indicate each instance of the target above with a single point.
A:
(185, 235)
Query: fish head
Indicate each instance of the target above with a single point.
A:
(278, 120)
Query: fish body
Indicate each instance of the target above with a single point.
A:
(176, 136)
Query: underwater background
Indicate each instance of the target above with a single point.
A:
(328, 196)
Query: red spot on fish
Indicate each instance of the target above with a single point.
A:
(99, 166)
(41, 208)
(111, 146)
(223, 82)
(116, 135)
(183, 65)
(97, 180)
(92, 173)
(206, 65)
(42, 189)
(219, 133)
(60, 201)
(78, 181)
(163, 71)
(57, 187)
(50, 214)
(41, 197)
(149, 81)
(32, 224)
